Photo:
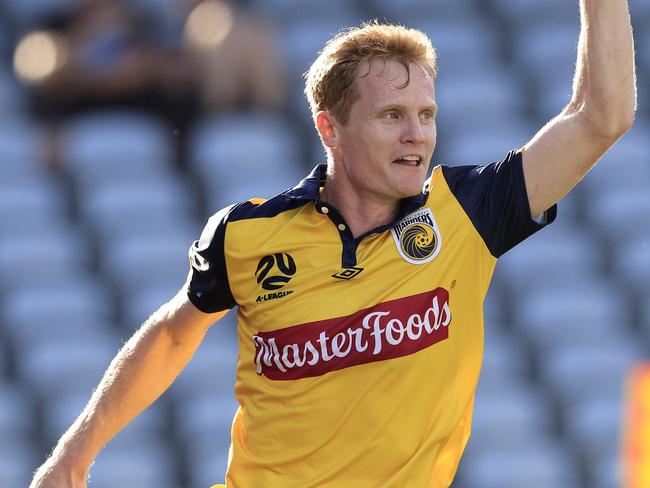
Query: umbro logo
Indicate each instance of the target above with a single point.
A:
(273, 272)
(347, 273)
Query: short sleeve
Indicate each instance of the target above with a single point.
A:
(208, 286)
(495, 199)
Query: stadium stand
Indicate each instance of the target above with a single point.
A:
(73, 285)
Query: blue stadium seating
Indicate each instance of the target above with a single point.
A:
(566, 316)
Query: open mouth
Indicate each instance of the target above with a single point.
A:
(412, 161)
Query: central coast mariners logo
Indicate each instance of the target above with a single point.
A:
(274, 272)
(417, 237)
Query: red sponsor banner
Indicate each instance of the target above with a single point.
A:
(388, 330)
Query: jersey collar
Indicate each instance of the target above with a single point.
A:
(309, 190)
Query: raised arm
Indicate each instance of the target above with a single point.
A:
(601, 109)
(142, 370)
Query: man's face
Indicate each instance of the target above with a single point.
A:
(386, 146)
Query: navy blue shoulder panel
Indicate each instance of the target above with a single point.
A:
(269, 208)
(209, 289)
(494, 197)
(208, 286)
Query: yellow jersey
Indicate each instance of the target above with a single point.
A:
(359, 357)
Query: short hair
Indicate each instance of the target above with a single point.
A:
(330, 81)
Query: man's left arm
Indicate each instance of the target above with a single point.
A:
(601, 109)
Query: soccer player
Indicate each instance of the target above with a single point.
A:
(360, 289)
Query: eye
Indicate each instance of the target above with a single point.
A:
(427, 115)
(391, 115)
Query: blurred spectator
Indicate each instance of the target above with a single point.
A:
(111, 54)
(108, 55)
(237, 57)
(105, 55)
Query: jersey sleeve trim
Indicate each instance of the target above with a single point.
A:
(208, 288)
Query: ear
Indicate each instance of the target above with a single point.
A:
(327, 128)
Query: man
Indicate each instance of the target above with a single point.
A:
(360, 294)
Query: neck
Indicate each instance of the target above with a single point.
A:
(362, 213)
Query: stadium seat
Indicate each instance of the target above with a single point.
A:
(486, 144)
(138, 305)
(166, 262)
(17, 416)
(642, 39)
(594, 427)
(494, 307)
(301, 41)
(208, 462)
(607, 473)
(203, 417)
(561, 317)
(509, 417)
(645, 317)
(539, 463)
(240, 157)
(66, 366)
(547, 13)
(83, 298)
(20, 172)
(583, 373)
(466, 46)
(132, 209)
(553, 96)
(410, 11)
(4, 357)
(15, 169)
(559, 250)
(153, 464)
(20, 141)
(30, 262)
(573, 312)
(306, 11)
(503, 356)
(146, 172)
(618, 214)
(20, 199)
(632, 263)
(17, 462)
(626, 166)
(12, 98)
(243, 145)
(213, 366)
(548, 52)
(464, 104)
(34, 221)
(205, 404)
(44, 326)
(19, 203)
(116, 141)
(640, 11)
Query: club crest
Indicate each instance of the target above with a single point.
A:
(417, 237)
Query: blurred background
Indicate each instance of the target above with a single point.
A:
(125, 124)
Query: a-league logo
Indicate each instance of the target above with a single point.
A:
(283, 267)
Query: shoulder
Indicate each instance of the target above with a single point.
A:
(458, 175)
(494, 198)
(258, 208)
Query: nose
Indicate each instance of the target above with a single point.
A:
(412, 132)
